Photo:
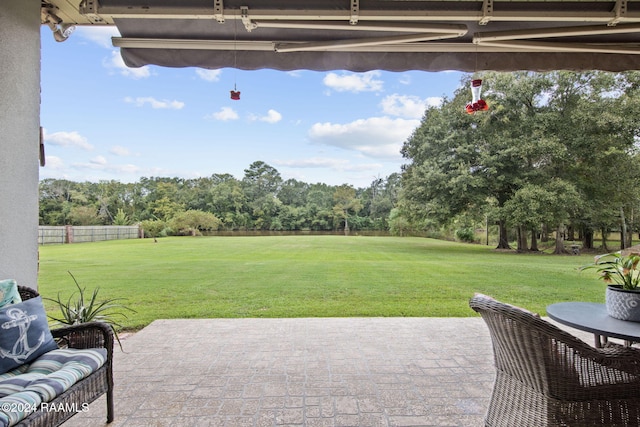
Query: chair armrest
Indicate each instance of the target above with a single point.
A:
(626, 359)
(581, 370)
(85, 335)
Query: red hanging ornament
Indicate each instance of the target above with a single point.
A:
(235, 95)
(477, 103)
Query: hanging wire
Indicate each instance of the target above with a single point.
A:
(235, 52)
(235, 95)
(475, 70)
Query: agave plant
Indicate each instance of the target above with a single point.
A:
(86, 308)
(617, 268)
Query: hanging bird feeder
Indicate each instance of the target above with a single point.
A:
(477, 103)
(235, 93)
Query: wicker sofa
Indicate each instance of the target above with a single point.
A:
(85, 391)
(547, 377)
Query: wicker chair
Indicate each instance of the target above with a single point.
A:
(547, 377)
(87, 335)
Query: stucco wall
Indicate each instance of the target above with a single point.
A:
(19, 137)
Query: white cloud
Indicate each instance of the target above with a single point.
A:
(362, 167)
(98, 34)
(209, 75)
(154, 103)
(99, 163)
(117, 63)
(225, 114)
(408, 106)
(434, 101)
(54, 162)
(67, 139)
(272, 117)
(98, 160)
(89, 165)
(379, 137)
(314, 162)
(405, 79)
(128, 168)
(119, 150)
(335, 164)
(362, 82)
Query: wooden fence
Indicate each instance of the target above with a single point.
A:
(91, 233)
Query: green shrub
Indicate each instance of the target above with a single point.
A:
(465, 234)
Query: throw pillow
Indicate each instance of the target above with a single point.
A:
(24, 334)
(9, 292)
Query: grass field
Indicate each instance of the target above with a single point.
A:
(309, 276)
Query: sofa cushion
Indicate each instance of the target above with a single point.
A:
(24, 333)
(50, 375)
(17, 407)
(9, 292)
(85, 360)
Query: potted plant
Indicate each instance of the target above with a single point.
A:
(622, 275)
(85, 309)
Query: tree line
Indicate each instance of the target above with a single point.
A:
(555, 154)
(260, 200)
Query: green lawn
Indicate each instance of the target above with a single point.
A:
(309, 276)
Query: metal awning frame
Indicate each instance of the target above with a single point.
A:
(421, 32)
(486, 13)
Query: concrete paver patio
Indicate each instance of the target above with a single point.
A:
(301, 372)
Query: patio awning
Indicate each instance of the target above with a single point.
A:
(360, 35)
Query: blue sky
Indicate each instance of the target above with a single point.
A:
(105, 121)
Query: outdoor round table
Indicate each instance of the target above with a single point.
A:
(593, 317)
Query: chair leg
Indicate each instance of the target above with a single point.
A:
(110, 411)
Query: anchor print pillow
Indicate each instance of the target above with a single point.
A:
(24, 334)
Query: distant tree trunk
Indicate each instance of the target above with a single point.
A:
(486, 226)
(604, 240)
(346, 226)
(571, 233)
(544, 236)
(623, 230)
(534, 241)
(630, 233)
(630, 230)
(559, 241)
(522, 239)
(587, 238)
(503, 240)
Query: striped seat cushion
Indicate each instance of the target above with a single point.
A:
(26, 387)
(17, 406)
